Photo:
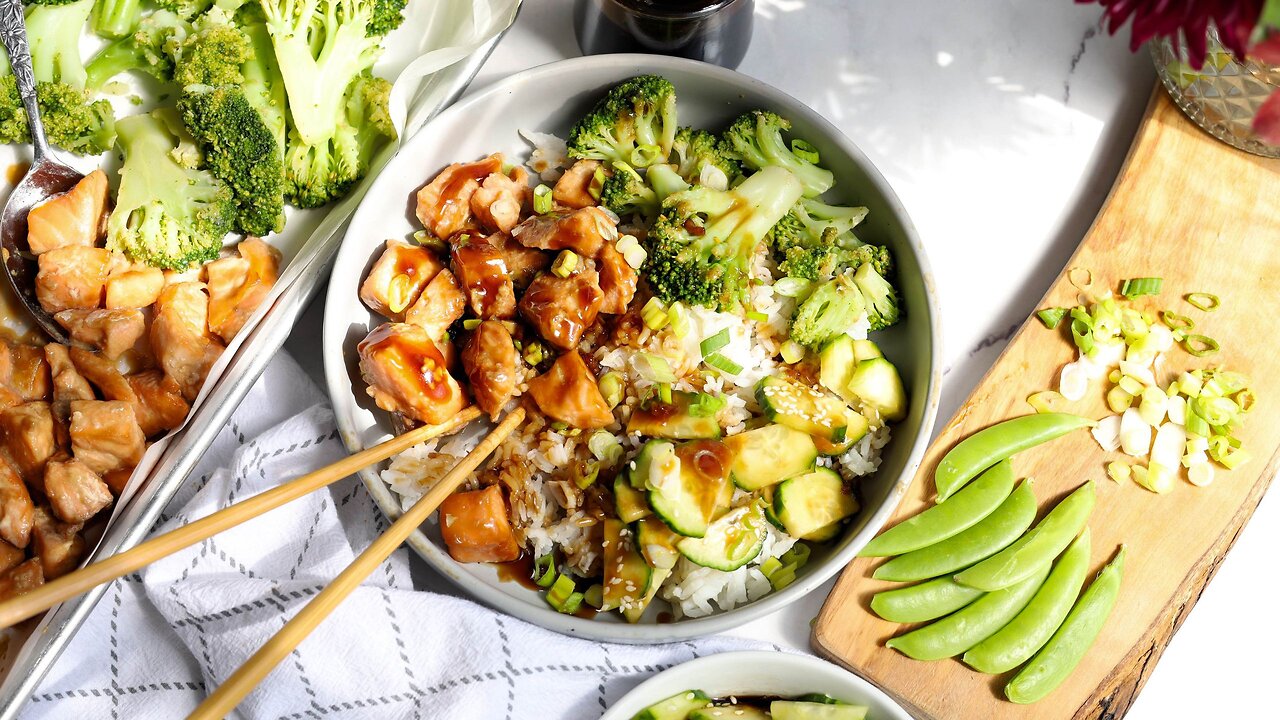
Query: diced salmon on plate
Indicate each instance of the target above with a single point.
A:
(407, 374)
(71, 277)
(105, 435)
(73, 218)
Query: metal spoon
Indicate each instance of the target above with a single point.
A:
(45, 178)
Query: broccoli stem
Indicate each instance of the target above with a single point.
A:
(116, 18)
(665, 181)
(54, 31)
(118, 57)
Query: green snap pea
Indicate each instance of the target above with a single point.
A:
(990, 535)
(989, 446)
(926, 601)
(1037, 548)
(970, 625)
(1063, 652)
(1032, 628)
(940, 522)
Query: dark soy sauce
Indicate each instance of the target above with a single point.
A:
(714, 31)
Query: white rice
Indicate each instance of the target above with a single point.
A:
(550, 155)
(695, 591)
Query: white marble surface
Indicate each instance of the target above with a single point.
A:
(1001, 124)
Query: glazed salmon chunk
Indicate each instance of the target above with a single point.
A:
(439, 306)
(397, 278)
(10, 556)
(73, 218)
(75, 492)
(568, 392)
(238, 285)
(498, 201)
(68, 384)
(475, 527)
(157, 402)
(618, 280)
(180, 339)
(17, 512)
(110, 331)
(491, 364)
(21, 579)
(105, 435)
(71, 277)
(573, 189)
(583, 231)
(58, 545)
(481, 269)
(24, 371)
(407, 374)
(28, 437)
(444, 204)
(562, 308)
(135, 287)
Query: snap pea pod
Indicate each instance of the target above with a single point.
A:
(923, 602)
(1037, 548)
(989, 536)
(1063, 652)
(970, 625)
(989, 446)
(1032, 628)
(940, 522)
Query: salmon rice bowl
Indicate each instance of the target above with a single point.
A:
(690, 328)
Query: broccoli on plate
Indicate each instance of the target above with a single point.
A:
(635, 123)
(756, 140)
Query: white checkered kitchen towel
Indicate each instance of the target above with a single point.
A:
(159, 639)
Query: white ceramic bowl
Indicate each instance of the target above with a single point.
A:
(548, 99)
(744, 674)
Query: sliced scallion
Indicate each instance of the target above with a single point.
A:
(714, 343)
(722, 363)
(654, 368)
(1082, 333)
(1200, 345)
(542, 199)
(597, 182)
(1174, 321)
(594, 596)
(471, 323)
(654, 314)
(792, 287)
(1051, 317)
(1046, 401)
(1118, 471)
(1137, 287)
(1207, 302)
(533, 353)
(611, 389)
(757, 316)
(561, 590)
(664, 393)
(792, 352)
(804, 151)
(706, 405)
(566, 264)
(1080, 277)
(544, 570)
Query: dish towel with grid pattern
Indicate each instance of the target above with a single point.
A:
(160, 638)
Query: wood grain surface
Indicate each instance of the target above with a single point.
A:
(1206, 218)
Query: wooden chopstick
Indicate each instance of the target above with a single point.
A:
(46, 596)
(242, 681)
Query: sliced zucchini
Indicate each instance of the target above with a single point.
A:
(676, 707)
(635, 611)
(642, 466)
(836, 364)
(731, 541)
(673, 420)
(626, 574)
(855, 430)
(657, 543)
(802, 408)
(806, 505)
(729, 712)
(877, 384)
(693, 486)
(865, 350)
(769, 455)
(630, 502)
(795, 710)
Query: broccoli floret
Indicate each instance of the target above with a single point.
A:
(695, 149)
(166, 215)
(54, 33)
(625, 192)
(263, 86)
(338, 113)
(830, 309)
(239, 149)
(665, 181)
(881, 299)
(635, 122)
(387, 16)
(70, 120)
(756, 140)
(150, 49)
(213, 53)
(116, 18)
(815, 241)
(187, 9)
(826, 261)
(701, 245)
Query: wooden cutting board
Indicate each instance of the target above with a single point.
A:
(1206, 218)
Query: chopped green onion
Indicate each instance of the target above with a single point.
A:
(1230, 382)
(654, 368)
(1082, 333)
(707, 405)
(1114, 376)
(561, 590)
(427, 240)
(1177, 322)
(1133, 326)
(1200, 345)
(1080, 282)
(798, 555)
(588, 478)
(1190, 384)
(597, 182)
(471, 323)
(757, 316)
(565, 265)
(1046, 401)
(664, 393)
(722, 363)
(1131, 385)
(1215, 410)
(544, 570)
(542, 200)
(1197, 425)
(559, 426)
(604, 446)
(611, 388)
(792, 287)
(1204, 301)
(1051, 316)
(632, 252)
(1118, 471)
(804, 151)
(594, 596)
(792, 352)
(509, 326)
(654, 314)
(1119, 399)
(714, 343)
(1245, 400)
(645, 155)
(1137, 287)
(1227, 451)
(770, 566)
(679, 319)
(533, 353)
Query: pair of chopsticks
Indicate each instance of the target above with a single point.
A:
(229, 694)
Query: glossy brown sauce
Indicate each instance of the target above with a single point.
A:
(406, 357)
(710, 460)
(520, 571)
(456, 191)
(15, 172)
(483, 273)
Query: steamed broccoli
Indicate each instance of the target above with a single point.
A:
(187, 9)
(756, 139)
(635, 122)
(263, 86)
(387, 16)
(625, 192)
(150, 49)
(695, 149)
(701, 245)
(324, 50)
(665, 181)
(166, 215)
(54, 32)
(70, 120)
(116, 18)
(832, 307)
(815, 241)
(881, 299)
(826, 261)
(212, 53)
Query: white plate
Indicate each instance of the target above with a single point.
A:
(549, 99)
(746, 674)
